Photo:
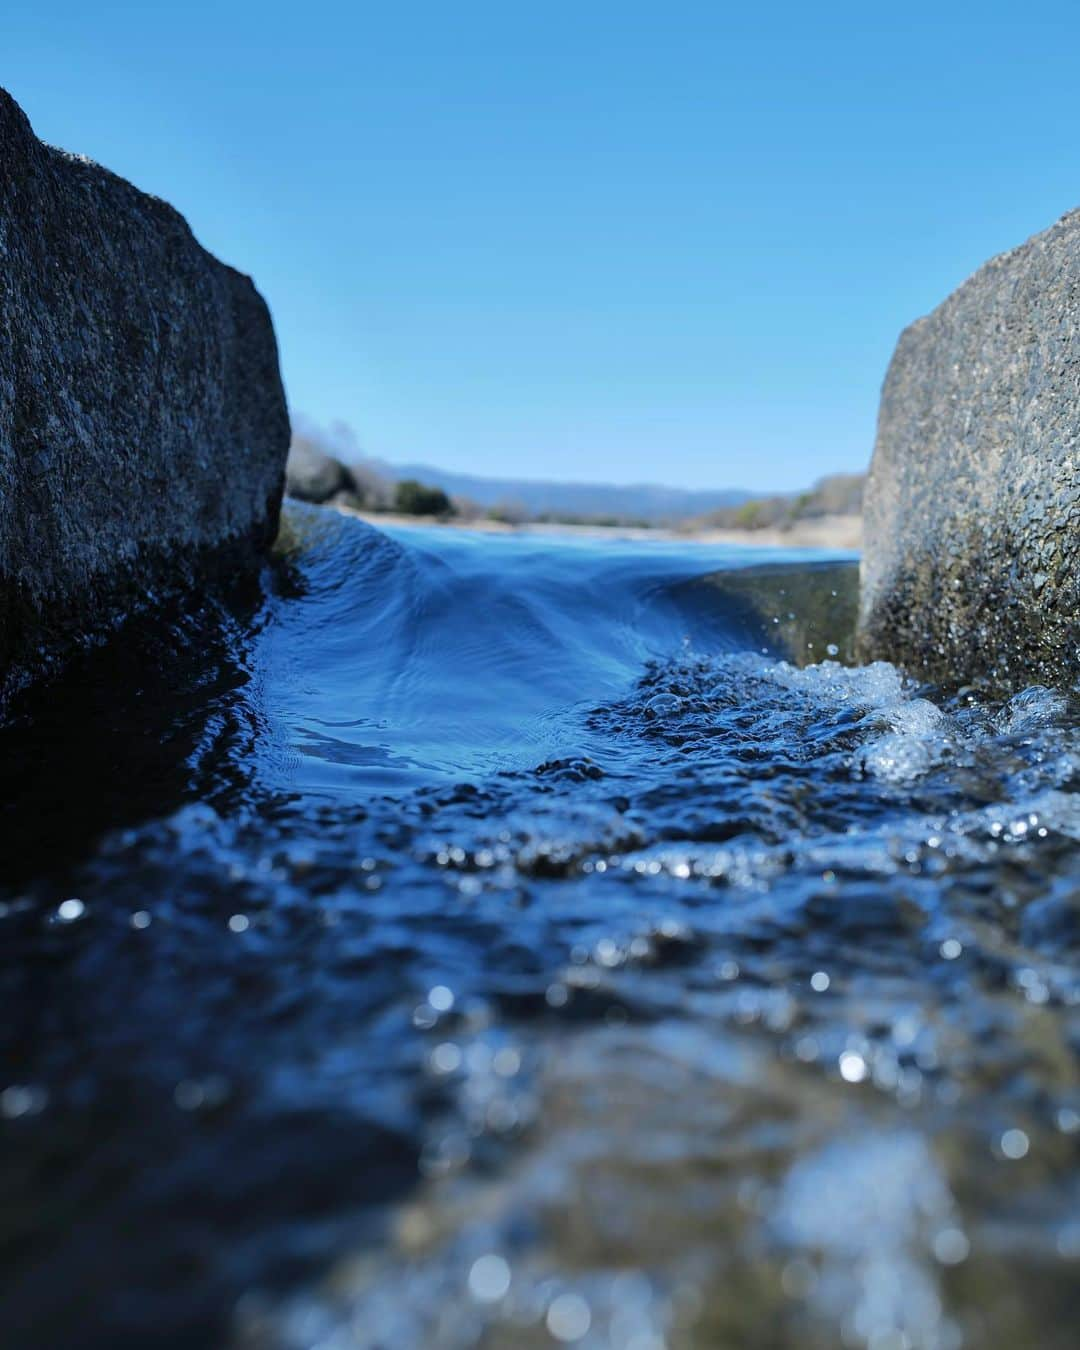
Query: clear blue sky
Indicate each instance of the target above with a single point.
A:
(664, 241)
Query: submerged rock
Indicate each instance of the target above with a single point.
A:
(972, 507)
(143, 426)
(802, 612)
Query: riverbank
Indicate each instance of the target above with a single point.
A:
(840, 533)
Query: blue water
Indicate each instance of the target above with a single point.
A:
(471, 940)
(421, 654)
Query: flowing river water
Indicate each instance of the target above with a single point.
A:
(481, 941)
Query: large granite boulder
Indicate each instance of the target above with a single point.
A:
(972, 514)
(143, 427)
(311, 475)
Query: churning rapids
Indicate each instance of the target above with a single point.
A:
(479, 942)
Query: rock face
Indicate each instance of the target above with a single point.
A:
(972, 515)
(143, 427)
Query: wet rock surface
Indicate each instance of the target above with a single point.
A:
(972, 513)
(143, 428)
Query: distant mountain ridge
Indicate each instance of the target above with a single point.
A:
(643, 501)
(325, 465)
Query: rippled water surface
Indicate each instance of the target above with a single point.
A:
(480, 942)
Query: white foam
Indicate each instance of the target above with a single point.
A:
(916, 734)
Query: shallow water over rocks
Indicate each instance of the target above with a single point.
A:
(480, 942)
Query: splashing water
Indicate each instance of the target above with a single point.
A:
(481, 942)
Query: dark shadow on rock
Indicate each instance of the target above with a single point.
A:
(130, 729)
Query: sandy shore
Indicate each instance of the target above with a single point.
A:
(835, 533)
(829, 533)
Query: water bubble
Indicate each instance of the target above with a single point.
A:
(905, 1030)
(568, 1318)
(22, 1099)
(70, 910)
(951, 1246)
(140, 919)
(446, 1058)
(1034, 987)
(506, 1062)
(607, 952)
(441, 998)
(239, 923)
(662, 705)
(1015, 1144)
(478, 1058)
(950, 949)
(1068, 1120)
(489, 1278)
(819, 981)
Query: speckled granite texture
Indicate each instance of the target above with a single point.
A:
(973, 503)
(143, 426)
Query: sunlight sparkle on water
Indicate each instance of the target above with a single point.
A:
(852, 1067)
